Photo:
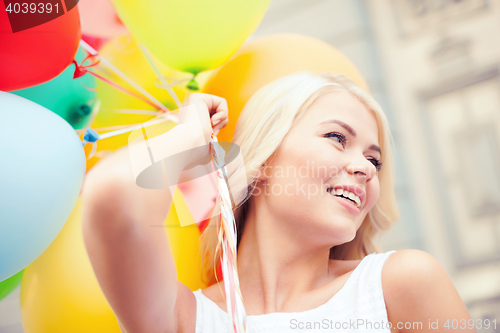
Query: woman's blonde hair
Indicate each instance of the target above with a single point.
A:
(263, 124)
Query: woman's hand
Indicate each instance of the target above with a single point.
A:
(209, 105)
(201, 115)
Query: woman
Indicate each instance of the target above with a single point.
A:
(306, 248)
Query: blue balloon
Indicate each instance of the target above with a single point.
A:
(42, 166)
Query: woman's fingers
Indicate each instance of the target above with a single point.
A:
(216, 110)
(216, 104)
(219, 119)
(220, 124)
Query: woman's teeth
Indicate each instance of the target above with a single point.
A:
(346, 194)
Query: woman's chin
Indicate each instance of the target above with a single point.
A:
(340, 233)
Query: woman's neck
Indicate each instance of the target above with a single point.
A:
(276, 266)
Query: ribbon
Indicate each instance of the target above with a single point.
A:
(227, 236)
(91, 136)
(81, 69)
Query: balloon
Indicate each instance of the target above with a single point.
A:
(95, 42)
(192, 36)
(200, 195)
(99, 19)
(268, 58)
(42, 170)
(7, 286)
(184, 243)
(37, 54)
(60, 293)
(124, 53)
(70, 98)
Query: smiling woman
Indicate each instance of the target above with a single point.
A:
(306, 240)
(330, 126)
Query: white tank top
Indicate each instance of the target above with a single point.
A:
(358, 306)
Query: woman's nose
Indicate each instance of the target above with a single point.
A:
(362, 169)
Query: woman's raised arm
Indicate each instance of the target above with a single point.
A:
(123, 228)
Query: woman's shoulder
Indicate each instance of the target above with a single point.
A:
(412, 280)
(417, 289)
(405, 268)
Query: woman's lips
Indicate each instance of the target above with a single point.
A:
(347, 204)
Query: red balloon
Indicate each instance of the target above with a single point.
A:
(38, 54)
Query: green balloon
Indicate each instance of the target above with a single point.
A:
(65, 96)
(8, 285)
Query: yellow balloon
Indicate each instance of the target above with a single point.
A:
(125, 53)
(195, 35)
(59, 290)
(184, 243)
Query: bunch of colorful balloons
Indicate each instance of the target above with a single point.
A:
(56, 82)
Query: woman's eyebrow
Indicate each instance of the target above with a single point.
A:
(376, 148)
(351, 131)
(344, 125)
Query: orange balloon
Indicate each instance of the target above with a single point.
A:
(266, 59)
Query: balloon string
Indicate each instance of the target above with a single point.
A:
(82, 69)
(91, 136)
(115, 69)
(89, 88)
(108, 128)
(137, 111)
(116, 85)
(162, 79)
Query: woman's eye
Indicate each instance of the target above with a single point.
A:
(376, 163)
(337, 136)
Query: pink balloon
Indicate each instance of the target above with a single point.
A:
(99, 19)
(95, 42)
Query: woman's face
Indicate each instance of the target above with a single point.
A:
(330, 153)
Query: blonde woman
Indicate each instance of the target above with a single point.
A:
(307, 256)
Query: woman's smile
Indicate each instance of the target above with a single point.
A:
(347, 203)
(347, 199)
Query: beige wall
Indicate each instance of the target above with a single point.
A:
(441, 66)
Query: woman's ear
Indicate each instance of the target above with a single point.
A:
(261, 174)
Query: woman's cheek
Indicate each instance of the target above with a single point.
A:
(373, 193)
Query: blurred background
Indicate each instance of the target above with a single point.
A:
(434, 66)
